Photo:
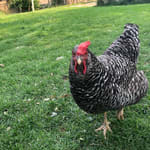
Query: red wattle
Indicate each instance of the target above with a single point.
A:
(75, 67)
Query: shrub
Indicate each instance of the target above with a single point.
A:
(120, 2)
(23, 5)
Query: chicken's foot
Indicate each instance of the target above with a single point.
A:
(105, 126)
(120, 114)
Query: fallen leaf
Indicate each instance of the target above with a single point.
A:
(2, 65)
(53, 97)
(59, 58)
(90, 118)
(52, 74)
(56, 109)
(65, 95)
(53, 114)
(46, 99)
(5, 112)
(62, 129)
(8, 128)
(19, 47)
(81, 139)
(65, 77)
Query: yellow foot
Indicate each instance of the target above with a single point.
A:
(105, 126)
(120, 115)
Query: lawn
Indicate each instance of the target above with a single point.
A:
(37, 111)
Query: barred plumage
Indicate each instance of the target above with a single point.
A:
(111, 81)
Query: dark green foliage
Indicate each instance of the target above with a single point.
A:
(100, 2)
(120, 2)
(57, 2)
(23, 5)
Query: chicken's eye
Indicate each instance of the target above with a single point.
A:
(85, 56)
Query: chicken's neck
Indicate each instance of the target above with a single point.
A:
(92, 88)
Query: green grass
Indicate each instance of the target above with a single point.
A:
(29, 46)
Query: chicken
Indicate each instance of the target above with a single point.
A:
(110, 81)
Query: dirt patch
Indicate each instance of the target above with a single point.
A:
(83, 5)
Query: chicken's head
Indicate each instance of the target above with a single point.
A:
(80, 56)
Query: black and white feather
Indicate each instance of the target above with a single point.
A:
(111, 81)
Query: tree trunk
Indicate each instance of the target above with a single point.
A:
(33, 5)
(100, 3)
(49, 3)
(29, 5)
(20, 9)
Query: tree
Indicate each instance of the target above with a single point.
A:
(49, 3)
(24, 5)
(104, 2)
(32, 5)
(100, 2)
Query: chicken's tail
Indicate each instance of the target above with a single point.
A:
(132, 29)
(127, 45)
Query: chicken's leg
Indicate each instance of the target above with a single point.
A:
(120, 114)
(105, 126)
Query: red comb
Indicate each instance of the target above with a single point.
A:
(82, 48)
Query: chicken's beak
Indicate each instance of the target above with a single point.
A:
(79, 60)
